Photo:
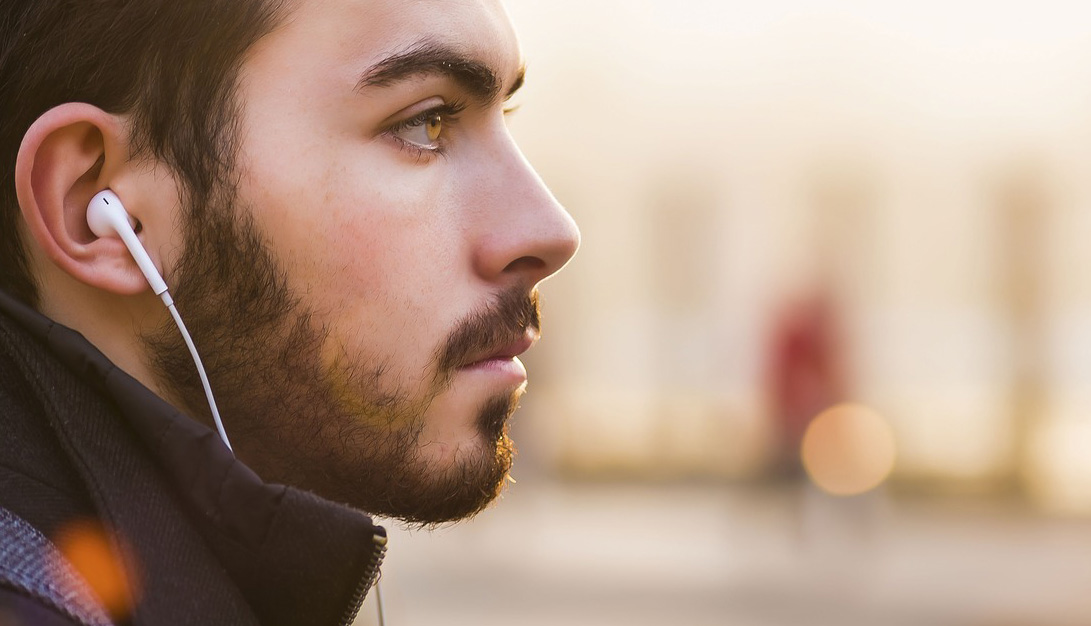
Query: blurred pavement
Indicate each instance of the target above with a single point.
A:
(610, 554)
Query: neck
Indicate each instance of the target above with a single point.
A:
(112, 323)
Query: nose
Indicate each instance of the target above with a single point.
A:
(526, 235)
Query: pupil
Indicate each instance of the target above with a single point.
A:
(434, 126)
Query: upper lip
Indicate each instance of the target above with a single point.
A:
(513, 348)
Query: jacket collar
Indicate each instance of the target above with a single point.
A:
(295, 558)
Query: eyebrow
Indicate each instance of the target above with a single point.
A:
(429, 58)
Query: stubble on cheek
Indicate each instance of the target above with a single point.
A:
(369, 392)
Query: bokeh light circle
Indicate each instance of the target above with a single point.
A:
(86, 546)
(848, 450)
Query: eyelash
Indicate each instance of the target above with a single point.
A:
(447, 112)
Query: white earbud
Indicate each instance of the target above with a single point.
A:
(106, 216)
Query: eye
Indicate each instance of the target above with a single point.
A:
(427, 132)
(423, 131)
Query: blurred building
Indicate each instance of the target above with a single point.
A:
(923, 168)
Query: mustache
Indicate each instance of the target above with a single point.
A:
(502, 322)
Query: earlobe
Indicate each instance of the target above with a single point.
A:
(68, 155)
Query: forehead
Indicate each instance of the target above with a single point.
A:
(340, 38)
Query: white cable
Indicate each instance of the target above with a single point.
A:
(200, 367)
(379, 603)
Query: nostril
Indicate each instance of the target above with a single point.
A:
(526, 264)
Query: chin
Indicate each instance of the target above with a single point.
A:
(464, 477)
(417, 477)
(462, 423)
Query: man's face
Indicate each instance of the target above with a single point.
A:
(362, 288)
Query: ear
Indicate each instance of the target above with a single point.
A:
(69, 154)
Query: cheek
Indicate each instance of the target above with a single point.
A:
(375, 244)
(376, 258)
(394, 245)
(349, 219)
(385, 288)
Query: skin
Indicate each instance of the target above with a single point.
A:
(386, 233)
(396, 247)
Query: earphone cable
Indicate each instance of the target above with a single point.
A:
(379, 603)
(200, 367)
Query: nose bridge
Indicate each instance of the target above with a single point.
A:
(526, 233)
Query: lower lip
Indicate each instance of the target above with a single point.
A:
(508, 368)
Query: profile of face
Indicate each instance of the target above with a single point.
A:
(361, 288)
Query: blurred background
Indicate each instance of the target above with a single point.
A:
(825, 354)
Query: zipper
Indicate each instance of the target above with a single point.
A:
(371, 576)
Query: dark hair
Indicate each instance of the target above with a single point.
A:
(172, 65)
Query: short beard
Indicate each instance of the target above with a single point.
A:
(341, 430)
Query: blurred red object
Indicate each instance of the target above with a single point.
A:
(805, 375)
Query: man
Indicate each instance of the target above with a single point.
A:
(355, 243)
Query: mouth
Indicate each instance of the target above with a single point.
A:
(506, 352)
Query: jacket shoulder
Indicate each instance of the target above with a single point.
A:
(38, 481)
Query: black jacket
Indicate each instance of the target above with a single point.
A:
(202, 538)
